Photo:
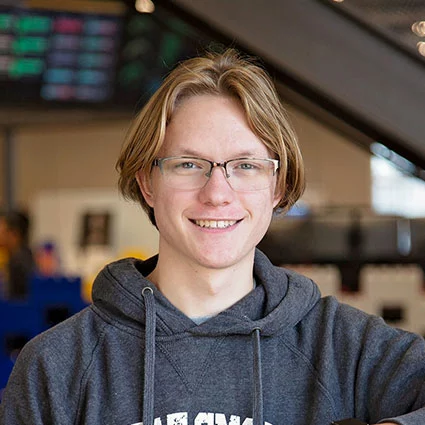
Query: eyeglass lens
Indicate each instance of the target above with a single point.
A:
(193, 173)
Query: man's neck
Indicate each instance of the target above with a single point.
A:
(199, 292)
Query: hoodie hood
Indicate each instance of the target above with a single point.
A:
(280, 300)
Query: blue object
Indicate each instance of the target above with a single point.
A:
(50, 301)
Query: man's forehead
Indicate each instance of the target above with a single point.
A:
(211, 127)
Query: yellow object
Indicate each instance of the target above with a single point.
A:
(86, 289)
(87, 283)
(136, 253)
(3, 261)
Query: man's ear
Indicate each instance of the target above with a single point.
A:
(145, 186)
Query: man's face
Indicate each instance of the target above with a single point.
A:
(216, 129)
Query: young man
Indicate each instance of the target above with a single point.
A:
(209, 331)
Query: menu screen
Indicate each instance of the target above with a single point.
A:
(53, 51)
(87, 51)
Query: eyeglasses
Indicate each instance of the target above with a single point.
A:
(243, 174)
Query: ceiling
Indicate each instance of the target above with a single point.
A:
(391, 19)
(356, 61)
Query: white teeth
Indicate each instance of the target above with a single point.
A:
(214, 224)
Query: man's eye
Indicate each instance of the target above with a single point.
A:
(246, 166)
(188, 165)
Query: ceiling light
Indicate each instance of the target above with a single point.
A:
(144, 6)
(419, 28)
(338, 1)
(421, 47)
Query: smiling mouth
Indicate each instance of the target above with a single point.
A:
(215, 224)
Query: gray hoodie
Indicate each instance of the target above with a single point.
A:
(281, 356)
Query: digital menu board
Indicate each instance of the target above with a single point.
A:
(87, 51)
(60, 51)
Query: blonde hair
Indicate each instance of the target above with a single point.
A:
(224, 74)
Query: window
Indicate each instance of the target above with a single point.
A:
(396, 192)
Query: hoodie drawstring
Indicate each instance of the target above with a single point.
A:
(257, 409)
(149, 378)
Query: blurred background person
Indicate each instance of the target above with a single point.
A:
(3, 253)
(19, 264)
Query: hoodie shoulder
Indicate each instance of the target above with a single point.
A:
(70, 344)
(58, 358)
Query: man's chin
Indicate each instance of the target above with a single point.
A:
(223, 260)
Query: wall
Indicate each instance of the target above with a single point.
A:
(338, 171)
(63, 157)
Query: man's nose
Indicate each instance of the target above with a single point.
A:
(217, 189)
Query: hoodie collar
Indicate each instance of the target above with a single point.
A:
(279, 301)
